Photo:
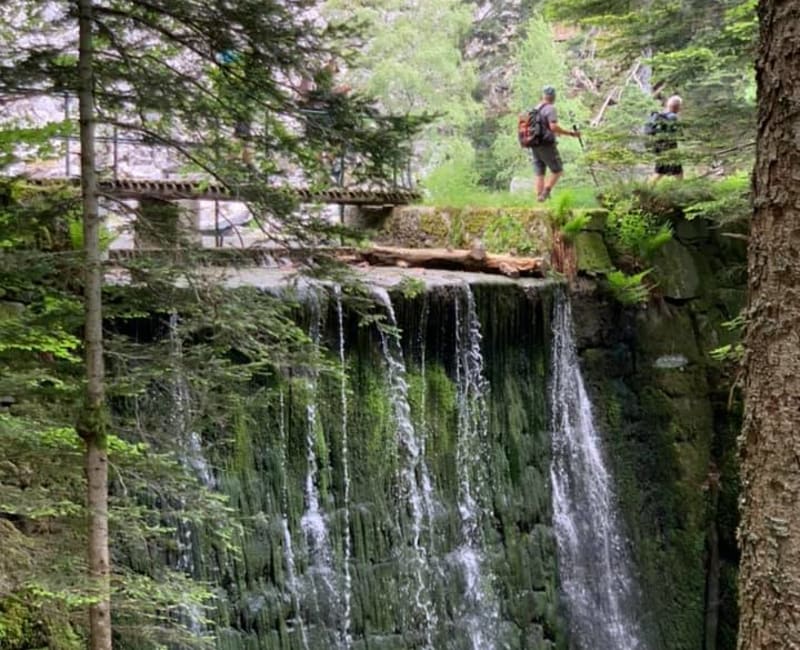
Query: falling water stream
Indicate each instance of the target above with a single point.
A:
(288, 548)
(594, 566)
(314, 521)
(481, 613)
(442, 554)
(345, 472)
(414, 475)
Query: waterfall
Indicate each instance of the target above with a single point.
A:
(314, 522)
(394, 478)
(594, 566)
(422, 428)
(471, 459)
(288, 549)
(345, 471)
(416, 485)
(191, 456)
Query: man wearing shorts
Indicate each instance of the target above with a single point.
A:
(546, 156)
(667, 140)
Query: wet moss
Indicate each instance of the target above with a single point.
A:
(459, 227)
(265, 475)
(29, 621)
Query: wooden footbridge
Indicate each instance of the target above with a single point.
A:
(177, 190)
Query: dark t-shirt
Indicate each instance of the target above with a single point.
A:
(548, 112)
(666, 132)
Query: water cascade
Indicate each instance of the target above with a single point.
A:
(594, 565)
(473, 430)
(323, 578)
(388, 499)
(346, 541)
(288, 548)
(415, 482)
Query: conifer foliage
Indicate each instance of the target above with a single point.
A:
(226, 86)
(700, 50)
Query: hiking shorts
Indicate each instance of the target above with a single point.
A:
(668, 169)
(546, 155)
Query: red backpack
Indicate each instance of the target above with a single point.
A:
(532, 129)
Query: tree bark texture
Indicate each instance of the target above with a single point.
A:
(769, 535)
(91, 426)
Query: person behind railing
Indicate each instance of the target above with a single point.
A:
(320, 100)
(232, 65)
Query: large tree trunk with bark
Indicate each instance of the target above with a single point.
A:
(769, 582)
(92, 423)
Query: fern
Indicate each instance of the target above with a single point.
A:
(656, 241)
(629, 289)
(562, 207)
(574, 226)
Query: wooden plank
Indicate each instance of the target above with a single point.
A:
(174, 190)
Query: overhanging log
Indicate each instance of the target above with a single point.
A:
(447, 259)
(475, 260)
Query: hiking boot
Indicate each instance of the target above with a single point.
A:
(546, 194)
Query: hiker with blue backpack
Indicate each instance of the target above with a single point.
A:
(537, 130)
(662, 127)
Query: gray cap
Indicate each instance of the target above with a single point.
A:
(548, 91)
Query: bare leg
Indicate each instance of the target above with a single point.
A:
(539, 185)
(247, 154)
(553, 180)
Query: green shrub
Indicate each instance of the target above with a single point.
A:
(636, 233)
(574, 226)
(507, 234)
(629, 289)
(730, 201)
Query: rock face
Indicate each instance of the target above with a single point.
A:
(662, 405)
(496, 26)
(414, 511)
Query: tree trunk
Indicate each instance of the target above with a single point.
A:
(769, 535)
(92, 424)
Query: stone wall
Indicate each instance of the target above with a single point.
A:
(265, 472)
(663, 405)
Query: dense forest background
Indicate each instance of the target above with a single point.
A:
(476, 65)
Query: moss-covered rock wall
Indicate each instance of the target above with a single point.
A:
(663, 404)
(394, 602)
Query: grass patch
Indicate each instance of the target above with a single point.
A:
(582, 197)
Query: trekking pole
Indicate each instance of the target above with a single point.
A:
(583, 146)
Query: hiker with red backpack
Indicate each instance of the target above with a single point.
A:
(537, 130)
